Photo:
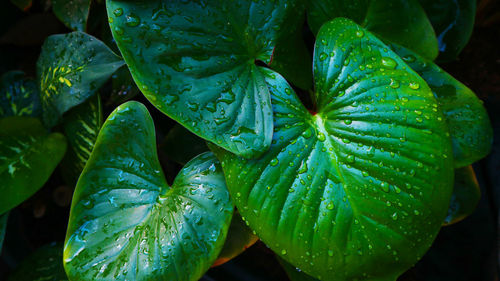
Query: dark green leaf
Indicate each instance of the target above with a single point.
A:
(195, 61)
(71, 68)
(294, 273)
(45, 264)
(180, 145)
(126, 223)
(400, 21)
(239, 238)
(360, 189)
(73, 13)
(3, 227)
(28, 155)
(468, 122)
(453, 22)
(18, 96)
(466, 195)
(81, 127)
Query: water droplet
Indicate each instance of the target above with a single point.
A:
(360, 33)
(323, 56)
(330, 206)
(330, 253)
(118, 12)
(414, 85)
(389, 63)
(133, 20)
(394, 84)
(283, 252)
(274, 162)
(385, 186)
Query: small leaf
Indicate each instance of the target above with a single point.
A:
(453, 22)
(3, 227)
(73, 13)
(360, 189)
(195, 61)
(180, 145)
(465, 197)
(126, 223)
(70, 69)
(18, 96)
(467, 119)
(28, 155)
(81, 127)
(401, 21)
(44, 264)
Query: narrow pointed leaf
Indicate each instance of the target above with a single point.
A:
(467, 119)
(126, 223)
(466, 195)
(360, 189)
(73, 13)
(70, 69)
(3, 227)
(401, 21)
(44, 264)
(453, 22)
(28, 155)
(195, 61)
(81, 127)
(18, 96)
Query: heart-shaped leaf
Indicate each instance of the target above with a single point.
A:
(18, 96)
(3, 226)
(70, 69)
(468, 122)
(73, 13)
(453, 22)
(28, 155)
(360, 189)
(43, 264)
(400, 21)
(81, 127)
(466, 195)
(126, 223)
(195, 61)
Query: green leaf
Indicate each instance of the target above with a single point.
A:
(465, 197)
(360, 189)
(126, 223)
(28, 155)
(73, 13)
(81, 127)
(44, 264)
(195, 61)
(239, 238)
(453, 22)
(294, 273)
(70, 69)
(3, 226)
(402, 21)
(467, 119)
(180, 145)
(18, 96)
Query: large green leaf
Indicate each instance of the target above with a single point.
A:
(45, 264)
(126, 223)
(70, 69)
(195, 61)
(466, 195)
(73, 13)
(18, 96)
(28, 155)
(400, 21)
(468, 122)
(3, 227)
(453, 22)
(360, 189)
(81, 127)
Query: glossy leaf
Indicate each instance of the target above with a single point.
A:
(401, 21)
(3, 227)
(294, 273)
(73, 13)
(28, 155)
(126, 223)
(239, 238)
(195, 61)
(360, 189)
(467, 119)
(70, 69)
(18, 96)
(44, 264)
(465, 197)
(453, 22)
(81, 127)
(180, 145)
